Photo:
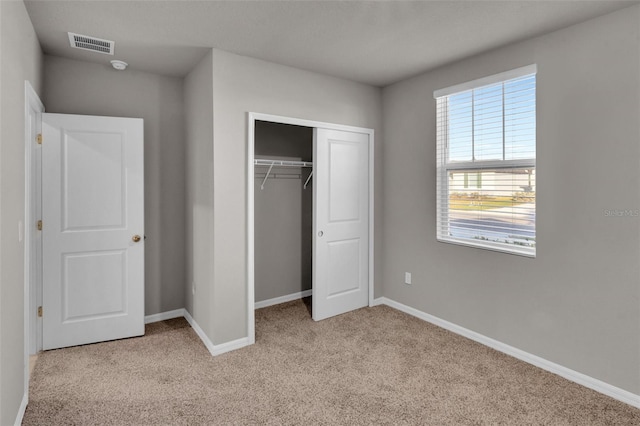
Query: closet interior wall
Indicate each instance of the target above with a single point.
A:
(283, 212)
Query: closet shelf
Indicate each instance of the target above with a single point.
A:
(281, 163)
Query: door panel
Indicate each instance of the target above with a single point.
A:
(341, 222)
(342, 277)
(93, 181)
(343, 181)
(92, 206)
(80, 301)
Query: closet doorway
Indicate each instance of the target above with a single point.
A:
(310, 215)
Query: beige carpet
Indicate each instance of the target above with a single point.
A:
(372, 366)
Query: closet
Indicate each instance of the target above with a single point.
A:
(283, 198)
(310, 214)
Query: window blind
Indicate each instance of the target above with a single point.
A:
(486, 154)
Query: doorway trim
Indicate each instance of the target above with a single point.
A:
(33, 109)
(252, 117)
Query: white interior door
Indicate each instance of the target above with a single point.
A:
(341, 222)
(93, 229)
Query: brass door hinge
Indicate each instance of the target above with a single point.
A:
(40, 311)
(39, 225)
(39, 138)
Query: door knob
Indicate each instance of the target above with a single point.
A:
(320, 234)
(136, 238)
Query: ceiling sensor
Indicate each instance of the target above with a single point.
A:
(119, 65)
(79, 41)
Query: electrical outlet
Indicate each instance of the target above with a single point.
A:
(407, 278)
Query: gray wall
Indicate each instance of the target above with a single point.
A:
(242, 84)
(198, 100)
(21, 59)
(283, 212)
(576, 303)
(74, 87)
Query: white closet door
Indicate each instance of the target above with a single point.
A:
(93, 229)
(341, 222)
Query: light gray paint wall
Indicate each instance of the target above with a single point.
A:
(75, 87)
(243, 84)
(283, 212)
(577, 303)
(21, 59)
(198, 97)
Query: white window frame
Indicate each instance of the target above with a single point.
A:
(443, 167)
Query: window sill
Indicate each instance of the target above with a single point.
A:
(488, 245)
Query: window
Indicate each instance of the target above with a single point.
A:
(486, 154)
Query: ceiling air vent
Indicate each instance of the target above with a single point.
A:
(80, 41)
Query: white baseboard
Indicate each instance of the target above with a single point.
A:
(574, 376)
(377, 302)
(22, 409)
(282, 299)
(215, 349)
(162, 316)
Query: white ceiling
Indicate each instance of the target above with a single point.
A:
(376, 43)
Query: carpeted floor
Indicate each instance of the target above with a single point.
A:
(372, 366)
